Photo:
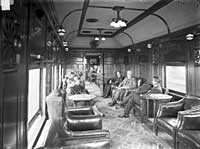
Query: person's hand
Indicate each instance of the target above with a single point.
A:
(110, 81)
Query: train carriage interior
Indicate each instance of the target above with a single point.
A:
(100, 74)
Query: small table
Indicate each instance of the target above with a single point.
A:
(86, 98)
(156, 98)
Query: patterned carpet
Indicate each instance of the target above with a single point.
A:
(126, 133)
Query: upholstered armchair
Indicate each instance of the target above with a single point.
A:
(73, 128)
(167, 115)
(188, 129)
(84, 118)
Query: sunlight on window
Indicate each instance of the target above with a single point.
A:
(33, 93)
(176, 78)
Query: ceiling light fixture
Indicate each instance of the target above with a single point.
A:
(118, 22)
(99, 37)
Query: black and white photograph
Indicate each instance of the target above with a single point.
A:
(99, 74)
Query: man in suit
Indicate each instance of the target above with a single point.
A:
(135, 95)
(128, 83)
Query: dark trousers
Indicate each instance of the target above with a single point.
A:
(119, 95)
(107, 90)
(129, 101)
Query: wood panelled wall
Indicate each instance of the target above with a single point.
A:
(171, 52)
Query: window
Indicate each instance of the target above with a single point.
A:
(176, 78)
(55, 77)
(43, 88)
(33, 93)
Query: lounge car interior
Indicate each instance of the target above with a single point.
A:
(100, 74)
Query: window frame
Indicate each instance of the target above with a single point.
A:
(165, 78)
(40, 110)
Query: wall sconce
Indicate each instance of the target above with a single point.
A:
(49, 43)
(129, 50)
(190, 36)
(65, 43)
(61, 31)
(149, 45)
(155, 57)
(17, 43)
(66, 49)
(196, 57)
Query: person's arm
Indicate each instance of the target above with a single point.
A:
(121, 84)
(155, 91)
(70, 83)
(144, 89)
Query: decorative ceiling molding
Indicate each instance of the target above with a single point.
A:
(84, 10)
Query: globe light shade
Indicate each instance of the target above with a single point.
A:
(149, 45)
(112, 23)
(66, 49)
(117, 24)
(61, 31)
(122, 23)
(190, 36)
(96, 38)
(65, 43)
(103, 38)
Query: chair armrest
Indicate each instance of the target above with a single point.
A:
(189, 120)
(90, 133)
(170, 109)
(83, 122)
(96, 111)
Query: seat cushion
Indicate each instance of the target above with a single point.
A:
(191, 103)
(191, 136)
(167, 123)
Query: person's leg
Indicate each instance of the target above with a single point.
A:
(115, 97)
(121, 95)
(107, 90)
(129, 105)
(126, 99)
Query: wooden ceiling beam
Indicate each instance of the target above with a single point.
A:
(143, 15)
(84, 11)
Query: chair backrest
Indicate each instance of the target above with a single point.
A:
(191, 103)
(165, 90)
(140, 81)
(55, 106)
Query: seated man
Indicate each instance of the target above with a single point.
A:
(111, 84)
(128, 83)
(135, 95)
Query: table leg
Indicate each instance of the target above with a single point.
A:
(147, 108)
(154, 114)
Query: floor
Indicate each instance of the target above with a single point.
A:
(128, 133)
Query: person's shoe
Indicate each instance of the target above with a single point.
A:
(123, 116)
(121, 105)
(111, 104)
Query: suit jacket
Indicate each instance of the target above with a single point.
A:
(156, 90)
(130, 83)
(144, 88)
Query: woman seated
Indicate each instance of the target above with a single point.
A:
(74, 85)
(112, 84)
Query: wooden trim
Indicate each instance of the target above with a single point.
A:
(143, 15)
(94, 35)
(171, 35)
(107, 7)
(1, 85)
(84, 11)
(26, 70)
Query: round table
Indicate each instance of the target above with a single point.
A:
(85, 98)
(157, 99)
